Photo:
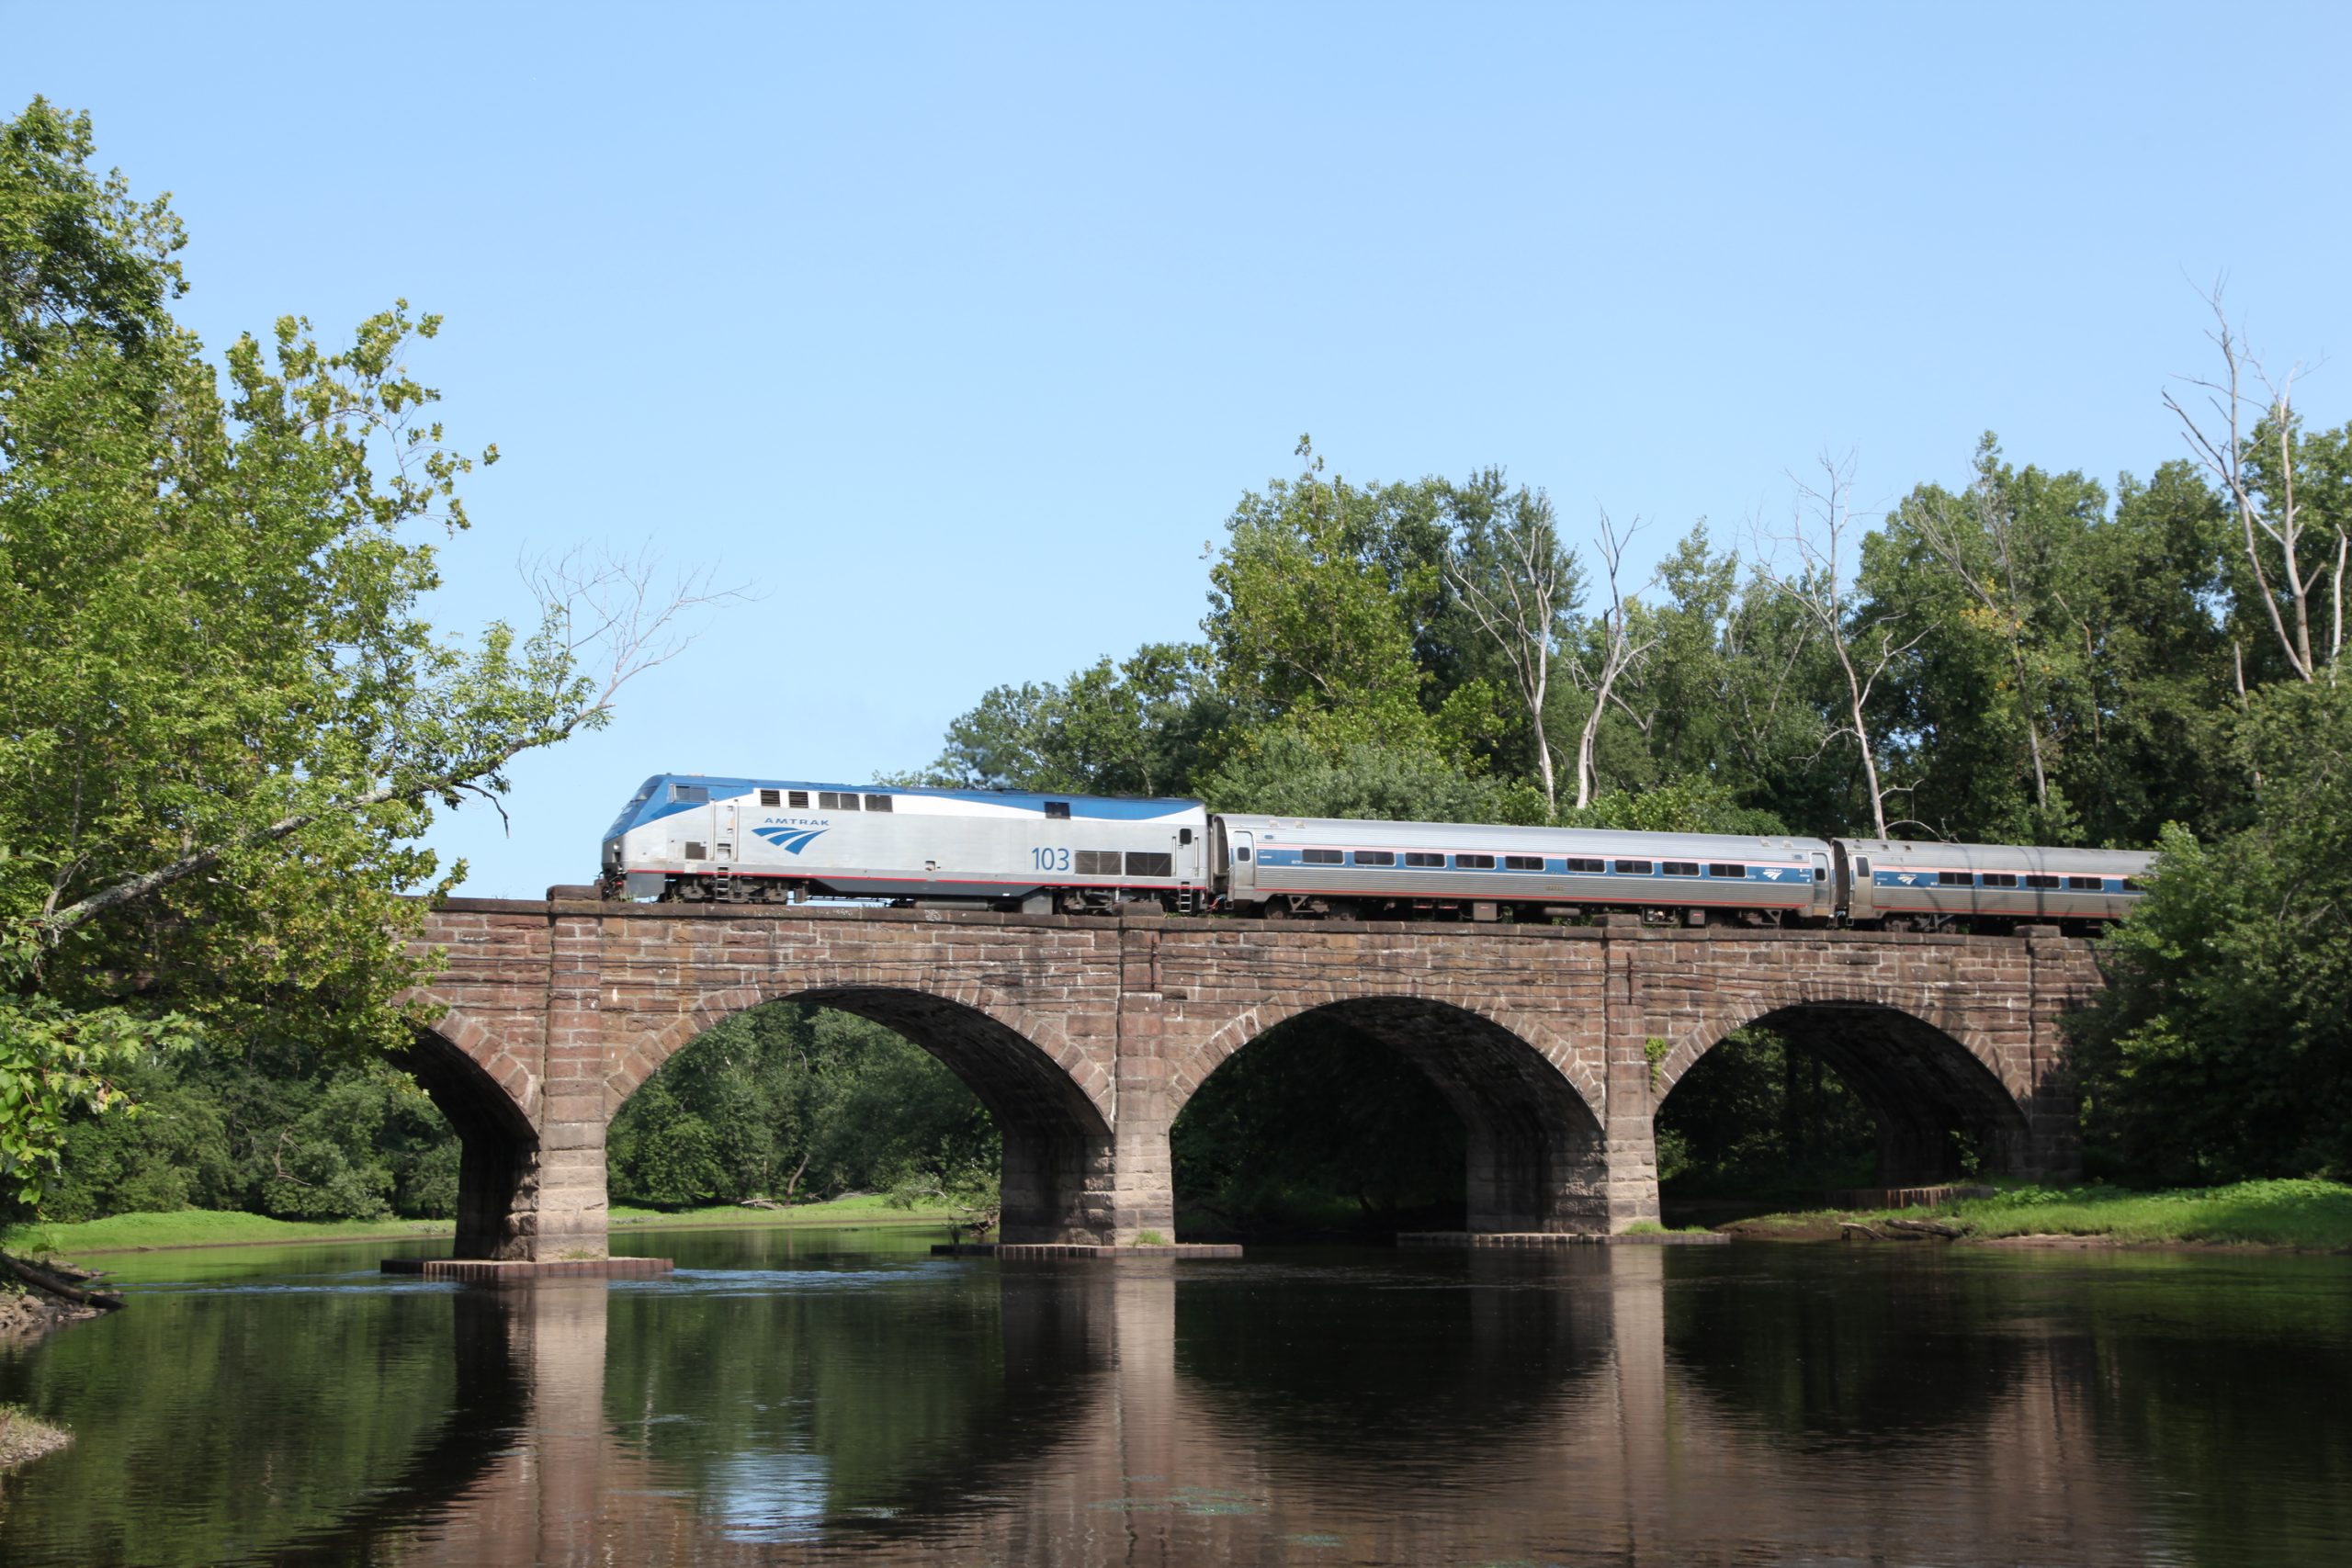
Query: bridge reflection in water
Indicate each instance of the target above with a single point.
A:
(1545, 1407)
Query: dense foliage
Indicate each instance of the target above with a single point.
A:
(2223, 1047)
(224, 720)
(279, 1129)
(793, 1101)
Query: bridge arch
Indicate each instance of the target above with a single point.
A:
(1531, 1108)
(1924, 1075)
(488, 1100)
(1051, 1102)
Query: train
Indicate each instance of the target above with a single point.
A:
(692, 838)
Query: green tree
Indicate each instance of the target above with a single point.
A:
(225, 720)
(1142, 725)
(1308, 626)
(1285, 774)
(2223, 1048)
(791, 1099)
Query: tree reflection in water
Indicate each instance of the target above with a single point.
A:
(1594, 1405)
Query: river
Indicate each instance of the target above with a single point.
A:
(842, 1397)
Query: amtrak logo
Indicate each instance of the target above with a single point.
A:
(1770, 873)
(1907, 878)
(791, 840)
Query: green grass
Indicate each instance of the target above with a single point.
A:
(1652, 1227)
(213, 1227)
(864, 1209)
(2305, 1216)
(201, 1227)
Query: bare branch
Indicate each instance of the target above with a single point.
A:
(1517, 583)
(1619, 652)
(2224, 451)
(1821, 526)
(597, 609)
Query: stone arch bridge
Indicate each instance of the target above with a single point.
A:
(1085, 1037)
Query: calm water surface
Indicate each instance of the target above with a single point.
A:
(841, 1396)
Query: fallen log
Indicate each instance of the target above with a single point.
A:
(1927, 1227)
(1846, 1228)
(59, 1286)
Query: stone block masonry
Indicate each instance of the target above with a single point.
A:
(1085, 1038)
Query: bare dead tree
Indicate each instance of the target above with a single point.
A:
(1518, 584)
(1620, 651)
(1819, 535)
(1996, 588)
(2279, 518)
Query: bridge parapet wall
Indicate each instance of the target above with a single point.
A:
(1086, 1037)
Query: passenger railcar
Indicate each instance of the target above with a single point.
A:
(1903, 885)
(685, 836)
(1286, 865)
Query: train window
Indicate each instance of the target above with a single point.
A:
(1714, 870)
(1474, 862)
(695, 851)
(1319, 857)
(1098, 862)
(2085, 884)
(1157, 864)
(1522, 862)
(1184, 835)
(1241, 853)
(1579, 863)
(1375, 857)
(799, 799)
(1422, 858)
(1954, 879)
(877, 803)
(2133, 885)
(1058, 810)
(1632, 868)
(1678, 868)
(2035, 879)
(2000, 879)
(689, 795)
(1863, 866)
(771, 798)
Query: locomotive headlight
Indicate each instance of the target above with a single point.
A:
(611, 851)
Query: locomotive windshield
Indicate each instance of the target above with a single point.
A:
(644, 793)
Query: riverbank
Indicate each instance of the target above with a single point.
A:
(211, 1228)
(24, 1436)
(865, 1209)
(2300, 1216)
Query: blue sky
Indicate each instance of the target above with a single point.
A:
(960, 331)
